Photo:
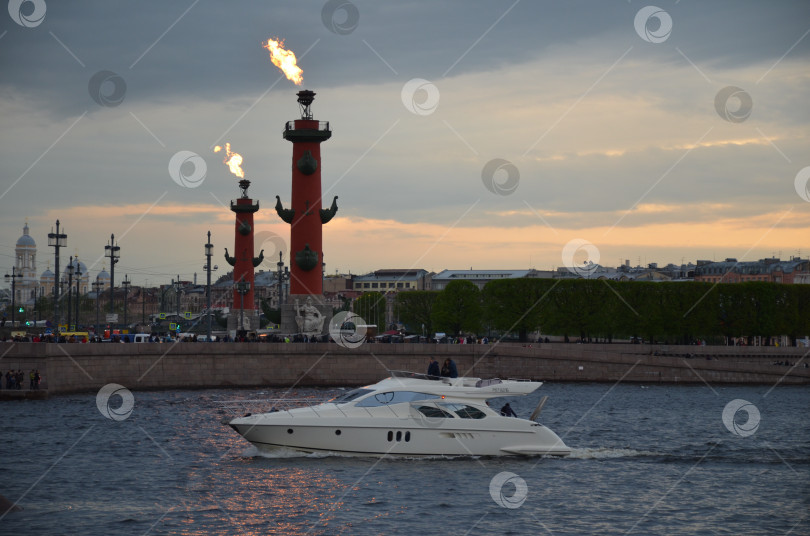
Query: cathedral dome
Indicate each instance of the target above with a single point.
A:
(77, 264)
(26, 240)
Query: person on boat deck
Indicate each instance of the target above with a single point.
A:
(449, 369)
(507, 411)
(433, 367)
(446, 369)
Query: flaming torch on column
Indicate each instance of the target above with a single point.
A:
(232, 160)
(284, 60)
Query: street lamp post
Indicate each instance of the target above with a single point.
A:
(78, 283)
(113, 252)
(14, 275)
(97, 289)
(70, 293)
(177, 294)
(242, 287)
(209, 251)
(56, 240)
(126, 283)
(279, 275)
(282, 275)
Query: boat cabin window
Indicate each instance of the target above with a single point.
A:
(433, 411)
(351, 395)
(394, 397)
(466, 412)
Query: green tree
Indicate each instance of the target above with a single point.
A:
(415, 308)
(736, 311)
(800, 325)
(569, 309)
(458, 308)
(514, 305)
(611, 309)
(695, 306)
(345, 305)
(44, 307)
(371, 308)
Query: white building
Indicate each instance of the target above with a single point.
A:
(25, 266)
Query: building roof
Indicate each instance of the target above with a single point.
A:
(392, 275)
(760, 267)
(264, 278)
(480, 274)
(403, 272)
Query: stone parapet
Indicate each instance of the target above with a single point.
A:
(69, 368)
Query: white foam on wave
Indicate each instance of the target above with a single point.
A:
(601, 453)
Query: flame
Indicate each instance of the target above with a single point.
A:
(284, 60)
(233, 160)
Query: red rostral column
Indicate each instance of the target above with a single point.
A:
(306, 217)
(243, 314)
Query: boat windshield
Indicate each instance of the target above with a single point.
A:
(433, 411)
(351, 395)
(394, 397)
(465, 412)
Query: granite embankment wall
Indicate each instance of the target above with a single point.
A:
(70, 368)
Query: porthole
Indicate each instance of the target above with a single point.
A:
(337, 432)
(407, 436)
(390, 435)
(399, 436)
(289, 430)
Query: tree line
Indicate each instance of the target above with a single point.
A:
(592, 310)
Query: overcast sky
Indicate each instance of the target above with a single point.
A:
(466, 134)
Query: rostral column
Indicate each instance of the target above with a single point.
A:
(243, 315)
(306, 219)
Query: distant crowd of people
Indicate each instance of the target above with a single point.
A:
(15, 379)
(787, 363)
(155, 338)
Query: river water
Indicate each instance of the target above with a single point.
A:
(646, 460)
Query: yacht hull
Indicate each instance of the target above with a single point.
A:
(397, 438)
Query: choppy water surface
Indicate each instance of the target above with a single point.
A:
(647, 460)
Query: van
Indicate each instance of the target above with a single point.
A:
(141, 337)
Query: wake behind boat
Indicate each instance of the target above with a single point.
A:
(408, 414)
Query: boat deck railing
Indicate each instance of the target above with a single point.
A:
(463, 381)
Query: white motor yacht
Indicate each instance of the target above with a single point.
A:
(408, 414)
